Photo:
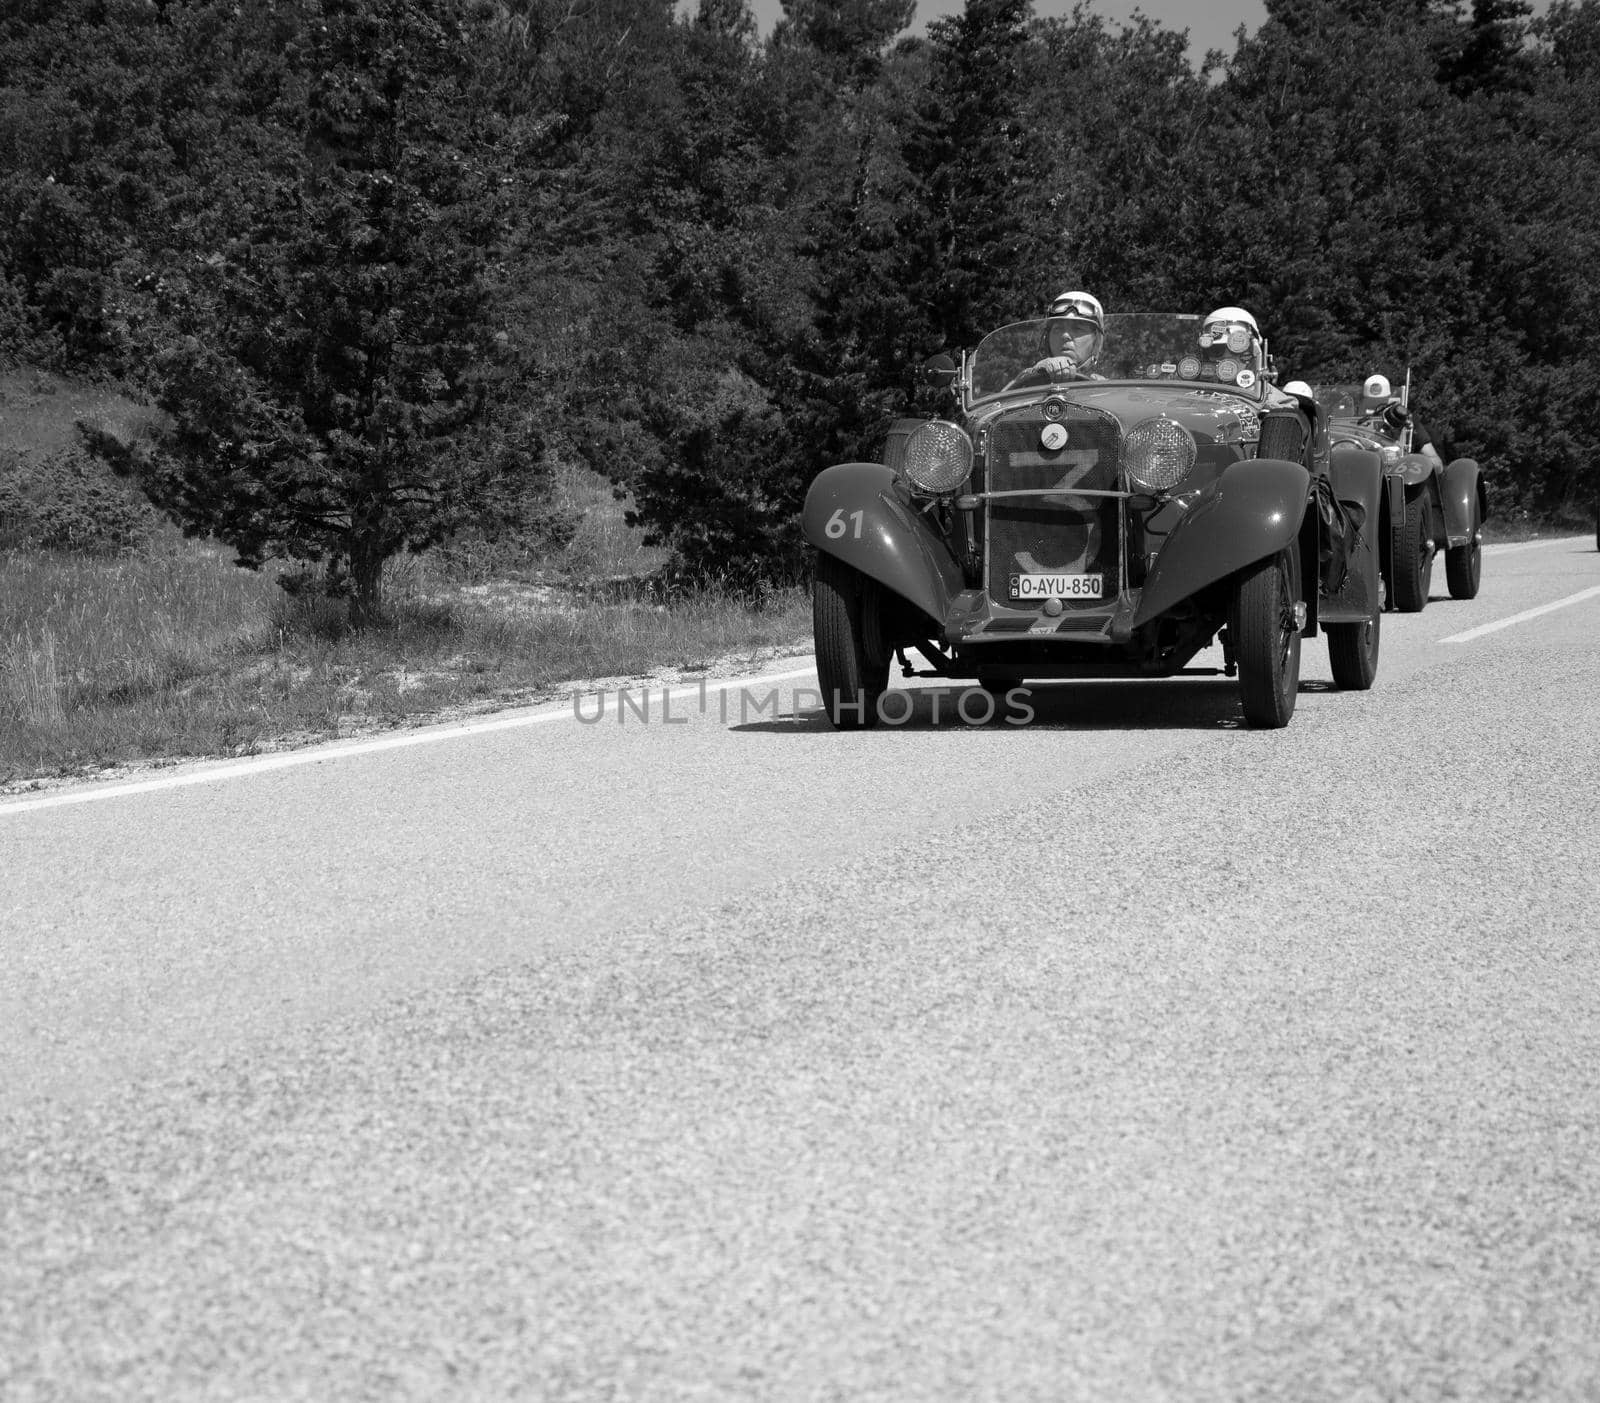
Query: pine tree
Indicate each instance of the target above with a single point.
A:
(321, 349)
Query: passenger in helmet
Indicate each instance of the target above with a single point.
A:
(1234, 352)
(1074, 336)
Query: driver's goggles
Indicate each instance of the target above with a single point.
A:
(1075, 307)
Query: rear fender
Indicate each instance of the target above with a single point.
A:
(861, 514)
(1251, 512)
(1356, 475)
(1461, 488)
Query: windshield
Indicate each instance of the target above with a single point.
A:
(1137, 346)
(1341, 401)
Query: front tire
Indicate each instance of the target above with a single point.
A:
(852, 660)
(1413, 558)
(1353, 653)
(1266, 639)
(1463, 565)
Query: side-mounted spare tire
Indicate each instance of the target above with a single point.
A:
(852, 658)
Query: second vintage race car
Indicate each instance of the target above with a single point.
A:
(1428, 507)
(1063, 524)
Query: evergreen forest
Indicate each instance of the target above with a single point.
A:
(383, 263)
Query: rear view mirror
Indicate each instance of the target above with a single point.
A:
(939, 371)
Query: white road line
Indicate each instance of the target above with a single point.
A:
(1523, 617)
(1531, 545)
(344, 750)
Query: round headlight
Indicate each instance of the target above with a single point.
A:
(938, 457)
(1158, 454)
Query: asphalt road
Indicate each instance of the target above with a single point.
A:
(1126, 1055)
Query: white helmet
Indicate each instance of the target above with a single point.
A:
(1082, 306)
(1229, 325)
(1376, 390)
(1298, 387)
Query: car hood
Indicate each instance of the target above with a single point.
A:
(1208, 414)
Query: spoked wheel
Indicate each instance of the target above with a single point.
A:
(1463, 565)
(1266, 638)
(852, 660)
(1353, 652)
(1413, 558)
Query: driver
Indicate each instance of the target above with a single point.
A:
(1377, 398)
(1074, 336)
(1232, 342)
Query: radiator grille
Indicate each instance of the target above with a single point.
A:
(1282, 436)
(1069, 534)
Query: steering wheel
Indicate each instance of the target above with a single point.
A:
(1041, 370)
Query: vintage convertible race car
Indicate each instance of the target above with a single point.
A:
(1063, 524)
(1428, 506)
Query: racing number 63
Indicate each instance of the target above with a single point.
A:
(837, 527)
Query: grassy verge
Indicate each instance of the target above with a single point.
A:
(104, 663)
(168, 650)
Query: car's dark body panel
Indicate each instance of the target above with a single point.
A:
(1357, 478)
(895, 546)
(1461, 490)
(1252, 510)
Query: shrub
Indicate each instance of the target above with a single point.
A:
(66, 501)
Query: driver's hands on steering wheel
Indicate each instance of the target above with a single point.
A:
(1063, 367)
(1050, 368)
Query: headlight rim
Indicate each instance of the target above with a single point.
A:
(1135, 463)
(955, 438)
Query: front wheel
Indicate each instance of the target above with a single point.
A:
(1463, 565)
(1353, 653)
(852, 661)
(1266, 639)
(1413, 558)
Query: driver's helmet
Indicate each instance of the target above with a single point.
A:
(1231, 343)
(1076, 329)
(1375, 392)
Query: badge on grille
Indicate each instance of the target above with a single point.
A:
(1054, 436)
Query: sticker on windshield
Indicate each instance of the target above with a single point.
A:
(1245, 379)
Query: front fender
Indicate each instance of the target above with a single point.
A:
(879, 532)
(1415, 467)
(1461, 487)
(1251, 512)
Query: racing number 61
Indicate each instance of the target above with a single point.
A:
(836, 526)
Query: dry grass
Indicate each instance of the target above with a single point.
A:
(103, 663)
(175, 652)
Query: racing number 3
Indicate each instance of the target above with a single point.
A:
(837, 527)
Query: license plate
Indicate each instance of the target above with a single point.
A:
(1057, 586)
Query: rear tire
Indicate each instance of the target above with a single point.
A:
(852, 661)
(1413, 558)
(1463, 565)
(1353, 653)
(1266, 642)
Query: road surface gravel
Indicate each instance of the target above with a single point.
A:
(1130, 1054)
